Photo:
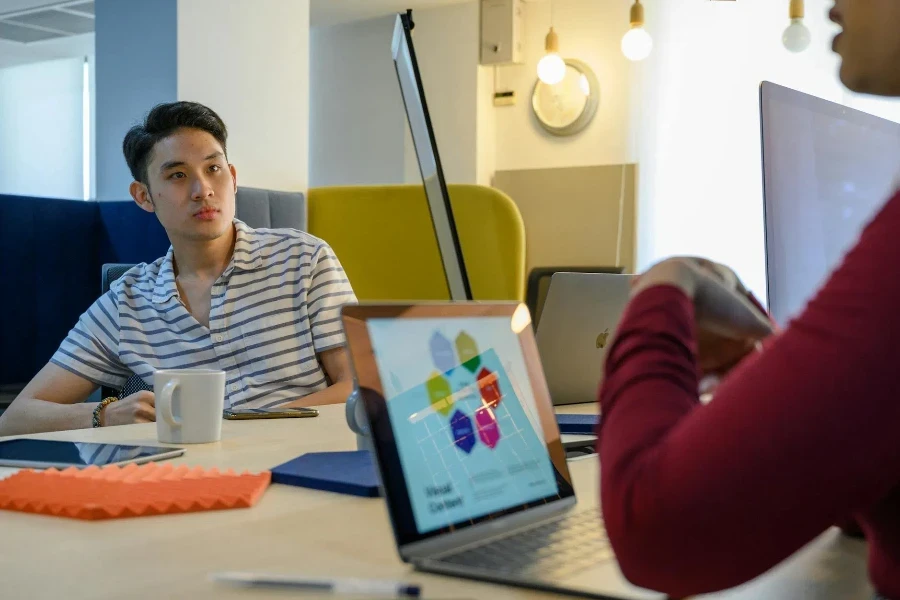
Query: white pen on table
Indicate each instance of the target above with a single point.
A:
(350, 586)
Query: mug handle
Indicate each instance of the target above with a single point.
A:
(164, 403)
(355, 413)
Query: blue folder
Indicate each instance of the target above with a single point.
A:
(577, 424)
(342, 472)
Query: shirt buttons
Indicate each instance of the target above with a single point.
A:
(219, 337)
(235, 387)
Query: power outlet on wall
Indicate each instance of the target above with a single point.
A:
(504, 98)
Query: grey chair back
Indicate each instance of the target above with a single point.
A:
(270, 209)
(108, 274)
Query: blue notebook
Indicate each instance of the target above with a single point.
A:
(342, 472)
(577, 424)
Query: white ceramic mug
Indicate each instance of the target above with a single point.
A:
(189, 405)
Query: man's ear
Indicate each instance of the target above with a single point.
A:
(141, 194)
(233, 176)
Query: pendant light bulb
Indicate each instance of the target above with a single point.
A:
(637, 43)
(552, 68)
(796, 37)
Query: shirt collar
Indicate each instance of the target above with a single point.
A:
(245, 258)
(165, 279)
(246, 248)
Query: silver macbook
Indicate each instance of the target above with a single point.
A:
(468, 449)
(577, 323)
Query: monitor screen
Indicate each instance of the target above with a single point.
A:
(429, 162)
(827, 169)
(464, 417)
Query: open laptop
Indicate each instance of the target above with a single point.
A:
(468, 449)
(580, 315)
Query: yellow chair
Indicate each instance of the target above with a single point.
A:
(384, 237)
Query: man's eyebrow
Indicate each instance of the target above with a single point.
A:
(180, 163)
(172, 163)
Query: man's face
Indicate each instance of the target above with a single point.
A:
(191, 186)
(869, 45)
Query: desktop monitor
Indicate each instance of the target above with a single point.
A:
(429, 162)
(827, 169)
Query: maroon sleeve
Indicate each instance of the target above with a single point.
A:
(700, 498)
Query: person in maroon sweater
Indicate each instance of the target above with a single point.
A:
(804, 428)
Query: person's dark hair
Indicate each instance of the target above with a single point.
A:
(160, 123)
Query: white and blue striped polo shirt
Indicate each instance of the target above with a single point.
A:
(275, 307)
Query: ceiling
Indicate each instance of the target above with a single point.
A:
(322, 12)
(332, 12)
(26, 21)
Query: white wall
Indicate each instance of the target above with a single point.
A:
(356, 111)
(358, 125)
(41, 129)
(697, 124)
(589, 30)
(447, 48)
(252, 67)
(486, 128)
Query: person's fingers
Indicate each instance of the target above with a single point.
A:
(725, 311)
(724, 272)
(146, 410)
(717, 354)
(144, 396)
(143, 419)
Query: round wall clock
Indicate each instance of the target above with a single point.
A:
(568, 106)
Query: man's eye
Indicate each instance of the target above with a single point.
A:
(177, 175)
(215, 168)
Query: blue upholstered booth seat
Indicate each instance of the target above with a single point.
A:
(50, 256)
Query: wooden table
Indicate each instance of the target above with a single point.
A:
(297, 530)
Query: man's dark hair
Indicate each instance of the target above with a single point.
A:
(160, 123)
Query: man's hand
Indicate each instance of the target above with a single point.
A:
(721, 303)
(729, 325)
(136, 408)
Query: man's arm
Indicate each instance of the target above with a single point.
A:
(52, 401)
(337, 365)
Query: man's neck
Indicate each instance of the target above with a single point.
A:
(206, 259)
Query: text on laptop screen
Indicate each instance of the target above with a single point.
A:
(464, 417)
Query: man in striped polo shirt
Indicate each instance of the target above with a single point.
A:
(261, 304)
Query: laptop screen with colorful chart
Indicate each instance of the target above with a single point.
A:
(460, 410)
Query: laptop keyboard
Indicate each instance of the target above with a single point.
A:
(558, 548)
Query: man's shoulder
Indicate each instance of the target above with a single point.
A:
(275, 243)
(137, 282)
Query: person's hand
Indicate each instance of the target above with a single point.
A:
(139, 407)
(729, 325)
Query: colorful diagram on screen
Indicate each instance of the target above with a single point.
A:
(463, 417)
(464, 352)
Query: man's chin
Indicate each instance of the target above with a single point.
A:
(867, 83)
(208, 230)
(851, 79)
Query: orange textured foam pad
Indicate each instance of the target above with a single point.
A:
(115, 492)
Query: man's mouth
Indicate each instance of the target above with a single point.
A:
(206, 214)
